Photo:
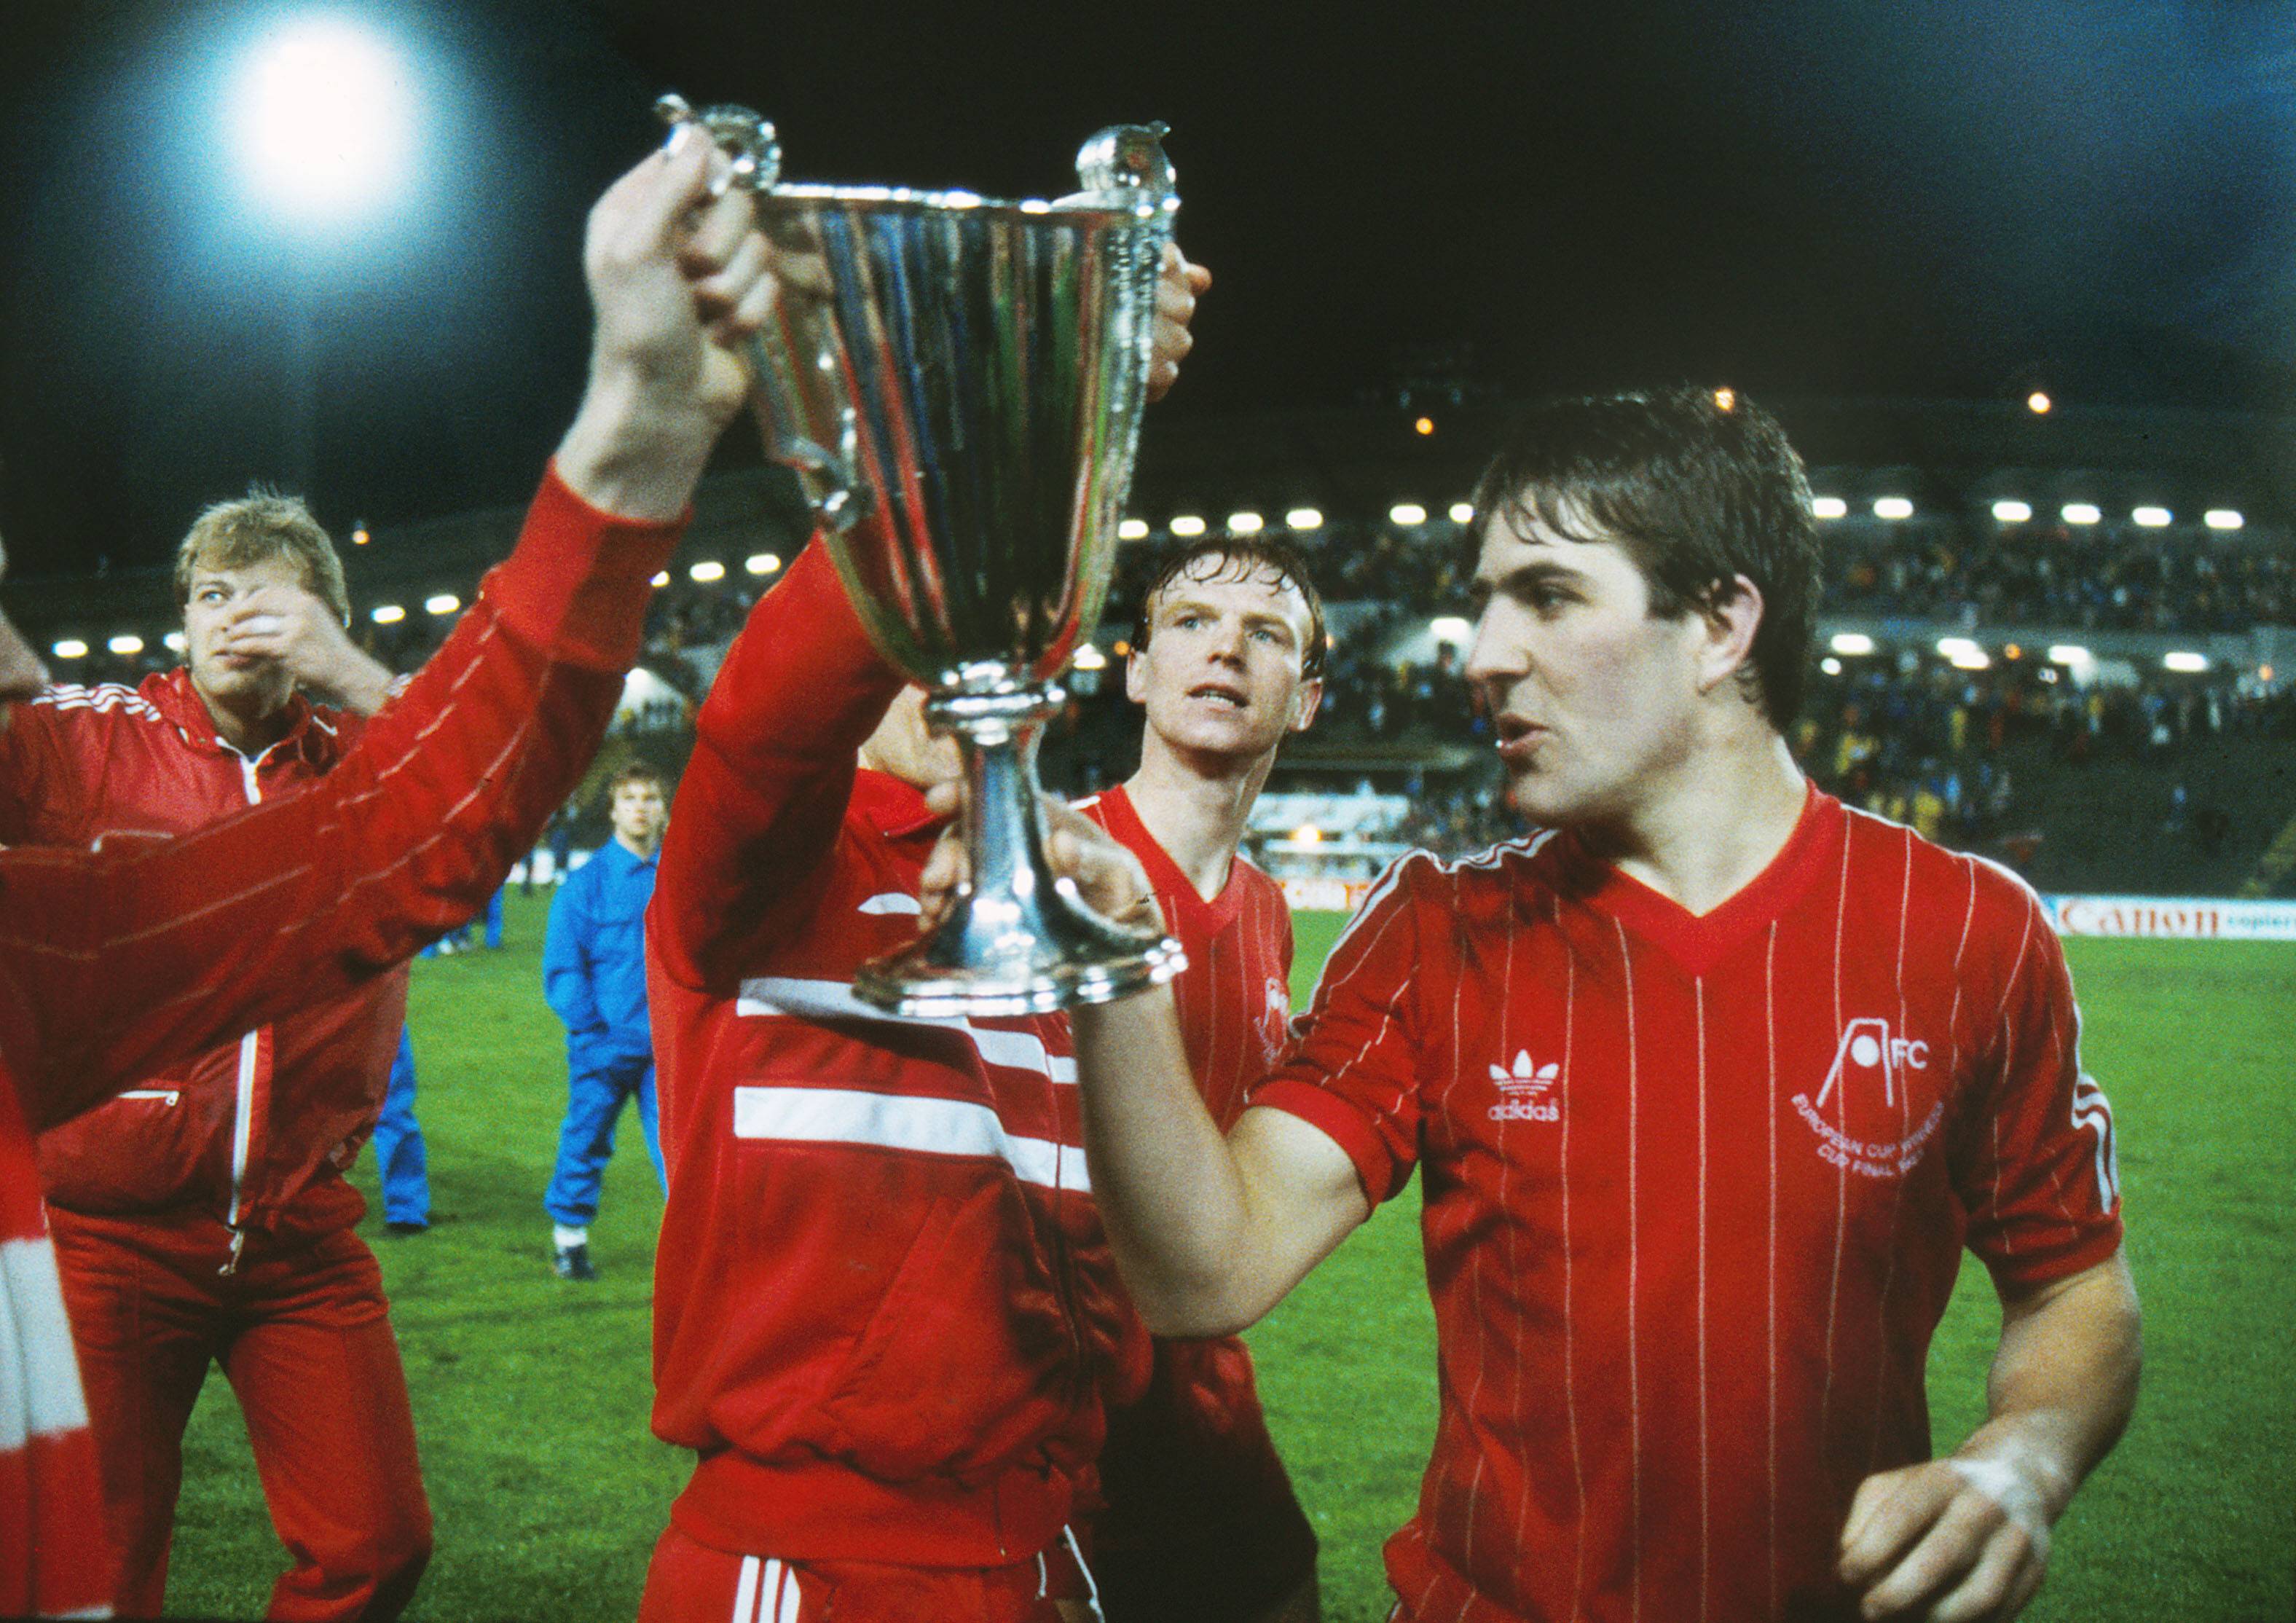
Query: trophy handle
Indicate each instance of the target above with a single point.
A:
(836, 492)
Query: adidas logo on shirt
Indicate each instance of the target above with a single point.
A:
(1526, 1090)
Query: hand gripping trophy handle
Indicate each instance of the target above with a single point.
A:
(957, 383)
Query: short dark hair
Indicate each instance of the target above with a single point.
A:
(1245, 556)
(1698, 485)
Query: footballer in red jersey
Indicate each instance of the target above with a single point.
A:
(1201, 1524)
(1708, 1085)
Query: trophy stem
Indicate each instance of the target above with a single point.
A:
(1018, 941)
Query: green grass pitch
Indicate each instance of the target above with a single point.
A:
(530, 1396)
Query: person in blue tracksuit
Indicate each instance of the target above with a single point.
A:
(399, 1156)
(593, 975)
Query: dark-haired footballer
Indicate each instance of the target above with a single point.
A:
(1708, 1085)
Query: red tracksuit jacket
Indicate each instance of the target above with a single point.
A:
(884, 1315)
(117, 960)
(258, 1132)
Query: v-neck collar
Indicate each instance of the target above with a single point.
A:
(1205, 918)
(1700, 941)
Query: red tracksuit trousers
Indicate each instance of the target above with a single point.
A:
(301, 1331)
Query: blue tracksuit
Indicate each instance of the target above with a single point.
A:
(398, 1152)
(593, 974)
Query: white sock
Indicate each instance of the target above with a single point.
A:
(567, 1238)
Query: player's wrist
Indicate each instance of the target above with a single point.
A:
(635, 448)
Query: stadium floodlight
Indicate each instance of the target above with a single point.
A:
(1971, 659)
(325, 122)
(387, 614)
(1187, 526)
(1726, 399)
(1450, 628)
(70, 648)
(707, 570)
(2012, 511)
(2223, 518)
(1829, 507)
(445, 603)
(1951, 645)
(762, 563)
(2038, 404)
(1132, 529)
(2184, 660)
(1851, 641)
(2081, 513)
(1893, 507)
(2069, 653)
(2150, 518)
(1830, 666)
(1407, 514)
(1088, 657)
(1303, 518)
(1245, 523)
(1462, 513)
(176, 645)
(126, 642)
(661, 579)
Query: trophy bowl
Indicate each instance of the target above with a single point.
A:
(957, 383)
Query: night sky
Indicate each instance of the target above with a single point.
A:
(1959, 202)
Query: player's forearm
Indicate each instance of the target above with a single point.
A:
(633, 450)
(2064, 1382)
(1169, 1192)
(360, 685)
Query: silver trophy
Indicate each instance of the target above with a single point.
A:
(957, 382)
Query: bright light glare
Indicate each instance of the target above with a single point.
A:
(326, 116)
(1829, 507)
(2038, 404)
(1450, 628)
(1303, 518)
(445, 603)
(175, 641)
(2081, 513)
(1089, 658)
(2182, 660)
(1893, 507)
(387, 614)
(660, 579)
(1971, 659)
(1851, 641)
(1462, 513)
(1245, 523)
(125, 643)
(70, 648)
(1308, 834)
(762, 563)
(2222, 518)
(2151, 518)
(2013, 513)
(1406, 514)
(1950, 646)
(1132, 529)
(708, 571)
(1831, 668)
(2069, 653)
(1187, 526)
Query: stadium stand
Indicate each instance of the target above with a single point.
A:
(2085, 673)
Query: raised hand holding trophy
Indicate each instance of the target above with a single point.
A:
(957, 382)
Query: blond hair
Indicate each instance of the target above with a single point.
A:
(263, 524)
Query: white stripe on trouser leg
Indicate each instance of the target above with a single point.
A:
(745, 1592)
(1091, 1587)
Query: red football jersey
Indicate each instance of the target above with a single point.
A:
(1696, 1189)
(1235, 996)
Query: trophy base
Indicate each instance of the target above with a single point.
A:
(914, 984)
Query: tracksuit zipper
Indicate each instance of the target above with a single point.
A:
(242, 1124)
